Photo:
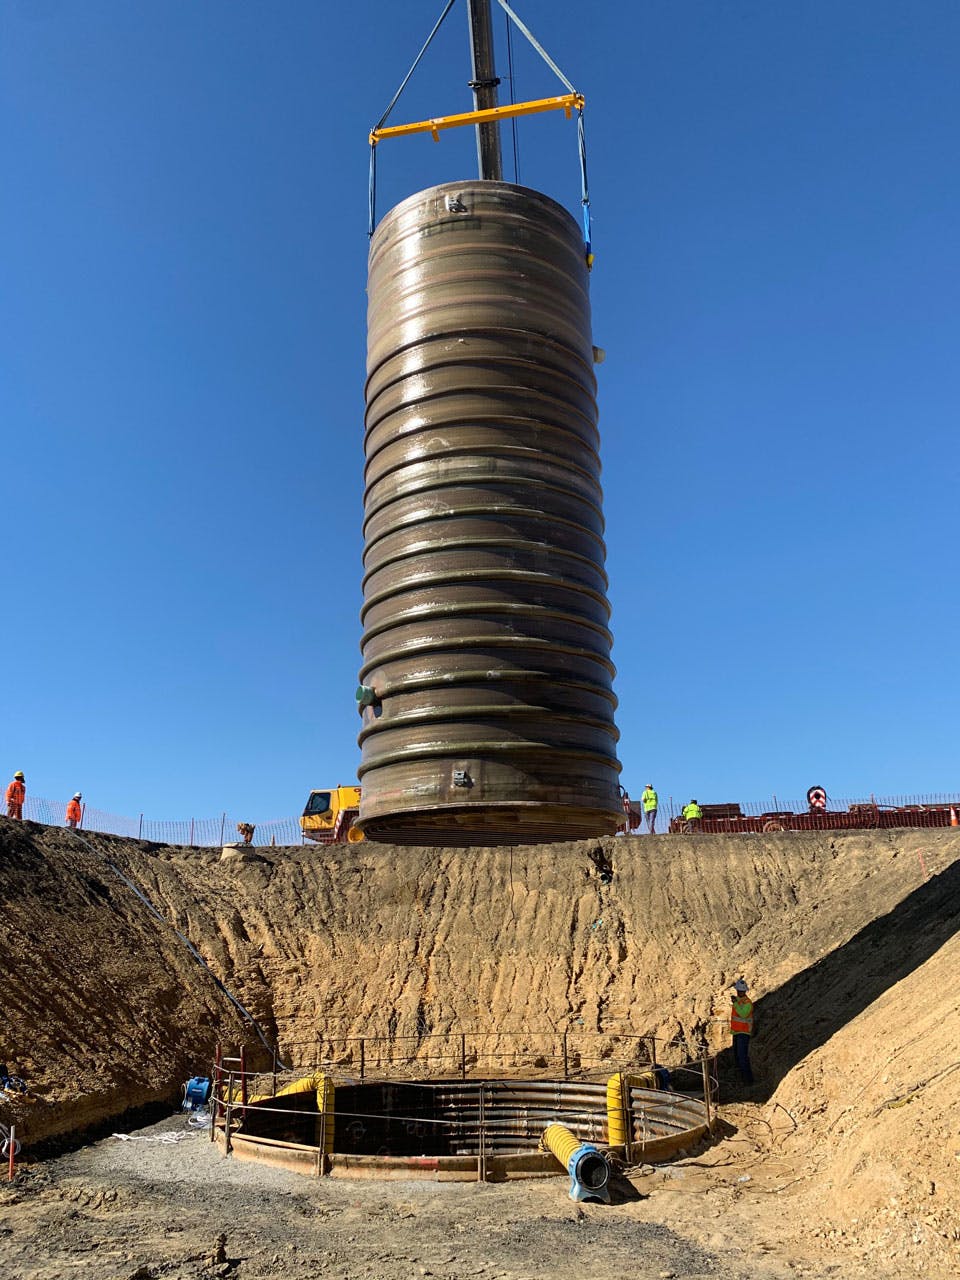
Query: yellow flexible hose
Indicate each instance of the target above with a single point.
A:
(558, 1139)
(618, 1103)
(325, 1092)
(324, 1088)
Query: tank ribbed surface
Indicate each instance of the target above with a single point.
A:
(485, 620)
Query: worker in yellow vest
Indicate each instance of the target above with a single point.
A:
(691, 814)
(650, 802)
(741, 1029)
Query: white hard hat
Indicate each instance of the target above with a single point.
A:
(77, 795)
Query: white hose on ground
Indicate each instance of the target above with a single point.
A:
(5, 1143)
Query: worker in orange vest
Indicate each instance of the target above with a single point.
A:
(741, 1028)
(16, 794)
(74, 811)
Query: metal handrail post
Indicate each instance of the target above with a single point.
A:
(626, 1103)
(218, 1079)
(706, 1089)
(482, 1154)
(322, 1144)
(228, 1117)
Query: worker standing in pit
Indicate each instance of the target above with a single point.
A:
(691, 814)
(650, 801)
(16, 794)
(741, 1029)
(74, 811)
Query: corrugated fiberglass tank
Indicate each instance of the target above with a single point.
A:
(485, 619)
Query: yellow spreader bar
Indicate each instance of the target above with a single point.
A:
(567, 102)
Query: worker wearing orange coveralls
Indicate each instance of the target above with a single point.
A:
(16, 794)
(741, 1029)
(74, 811)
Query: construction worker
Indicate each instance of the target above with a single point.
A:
(650, 800)
(691, 814)
(741, 1029)
(16, 794)
(74, 811)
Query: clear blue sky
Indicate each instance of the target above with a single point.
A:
(182, 310)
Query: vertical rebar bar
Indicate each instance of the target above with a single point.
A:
(627, 1104)
(228, 1116)
(218, 1078)
(482, 1153)
(706, 1089)
(322, 1144)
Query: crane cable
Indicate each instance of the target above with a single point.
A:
(581, 137)
(513, 97)
(393, 102)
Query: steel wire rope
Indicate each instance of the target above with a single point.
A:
(513, 98)
(581, 137)
(245, 1013)
(537, 45)
(393, 102)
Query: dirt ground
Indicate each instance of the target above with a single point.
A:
(843, 1159)
(140, 1208)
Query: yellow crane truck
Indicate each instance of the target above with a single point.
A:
(330, 816)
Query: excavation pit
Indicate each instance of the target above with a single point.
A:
(457, 1130)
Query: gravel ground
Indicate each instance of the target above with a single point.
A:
(153, 1207)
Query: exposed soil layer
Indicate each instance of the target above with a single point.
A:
(848, 940)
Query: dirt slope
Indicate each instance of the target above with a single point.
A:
(847, 939)
(875, 1117)
(103, 1008)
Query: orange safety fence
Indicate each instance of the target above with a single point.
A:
(875, 811)
(190, 832)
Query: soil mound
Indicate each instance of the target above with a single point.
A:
(847, 939)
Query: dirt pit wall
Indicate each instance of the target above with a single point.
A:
(849, 941)
(107, 1009)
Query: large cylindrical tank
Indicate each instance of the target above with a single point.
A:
(485, 631)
